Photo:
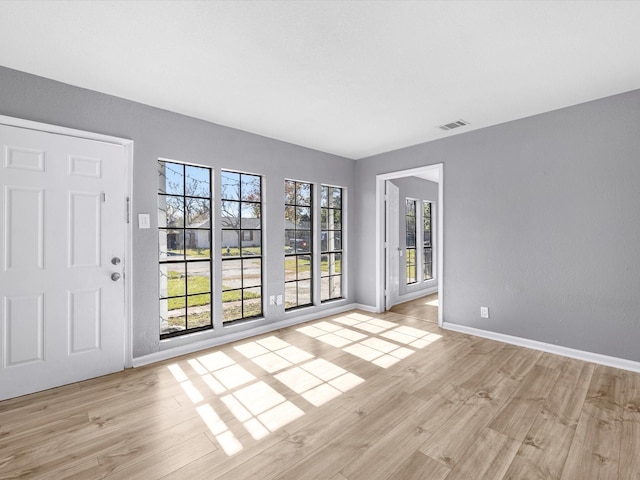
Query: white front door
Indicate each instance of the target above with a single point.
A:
(393, 244)
(62, 246)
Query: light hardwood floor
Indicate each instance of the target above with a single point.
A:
(423, 308)
(350, 397)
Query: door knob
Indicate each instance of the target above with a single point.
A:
(115, 261)
(115, 276)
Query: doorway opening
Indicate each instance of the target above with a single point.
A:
(388, 253)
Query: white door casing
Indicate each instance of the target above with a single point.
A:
(433, 172)
(62, 224)
(393, 244)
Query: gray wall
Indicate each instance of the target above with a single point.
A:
(541, 224)
(418, 189)
(159, 133)
(542, 217)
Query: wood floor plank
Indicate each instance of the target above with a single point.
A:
(496, 361)
(386, 455)
(83, 426)
(338, 476)
(543, 452)
(426, 313)
(217, 463)
(81, 471)
(128, 438)
(518, 414)
(269, 462)
(173, 458)
(150, 445)
(566, 399)
(519, 366)
(595, 450)
(468, 367)
(442, 356)
(420, 467)
(630, 444)
(450, 442)
(332, 458)
(488, 457)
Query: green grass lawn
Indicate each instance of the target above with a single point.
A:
(193, 252)
(324, 266)
(235, 251)
(290, 265)
(176, 285)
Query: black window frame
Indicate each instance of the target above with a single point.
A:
(243, 255)
(427, 240)
(410, 241)
(179, 236)
(299, 245)
(334, 256)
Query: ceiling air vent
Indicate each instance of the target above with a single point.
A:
(451, 126)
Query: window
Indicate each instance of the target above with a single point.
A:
(298, 235)
(427, 250)
(184, 223)
(330, 243)
(410, 248)
(241, 222)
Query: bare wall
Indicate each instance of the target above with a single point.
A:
(159, 133)
(541, 224)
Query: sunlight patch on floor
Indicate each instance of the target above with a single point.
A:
(228, 441)
(257, 405)
(261, 409)
(233, 376)
(372, 349)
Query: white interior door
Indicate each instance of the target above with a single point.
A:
(62, 246)
(392, 288)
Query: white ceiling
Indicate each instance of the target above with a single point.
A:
(354, 78)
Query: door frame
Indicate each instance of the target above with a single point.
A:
(127, 144)
(392, 292)
(381, 227)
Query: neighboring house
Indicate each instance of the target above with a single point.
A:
(250, 233)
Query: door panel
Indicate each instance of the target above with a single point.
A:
(85, 321)
(393, 244)
(24, 223)
(25, 159)
(84, 229)
(24, 326)
(62, 220)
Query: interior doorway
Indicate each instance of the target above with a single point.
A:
(386, 281)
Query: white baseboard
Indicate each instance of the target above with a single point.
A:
(235, 336)
(407, 297)
(366, 308)
(598, 358)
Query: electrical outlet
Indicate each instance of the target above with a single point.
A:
(484, 312)
(279, 300)
(272, 300)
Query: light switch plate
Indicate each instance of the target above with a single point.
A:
(144, 220)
